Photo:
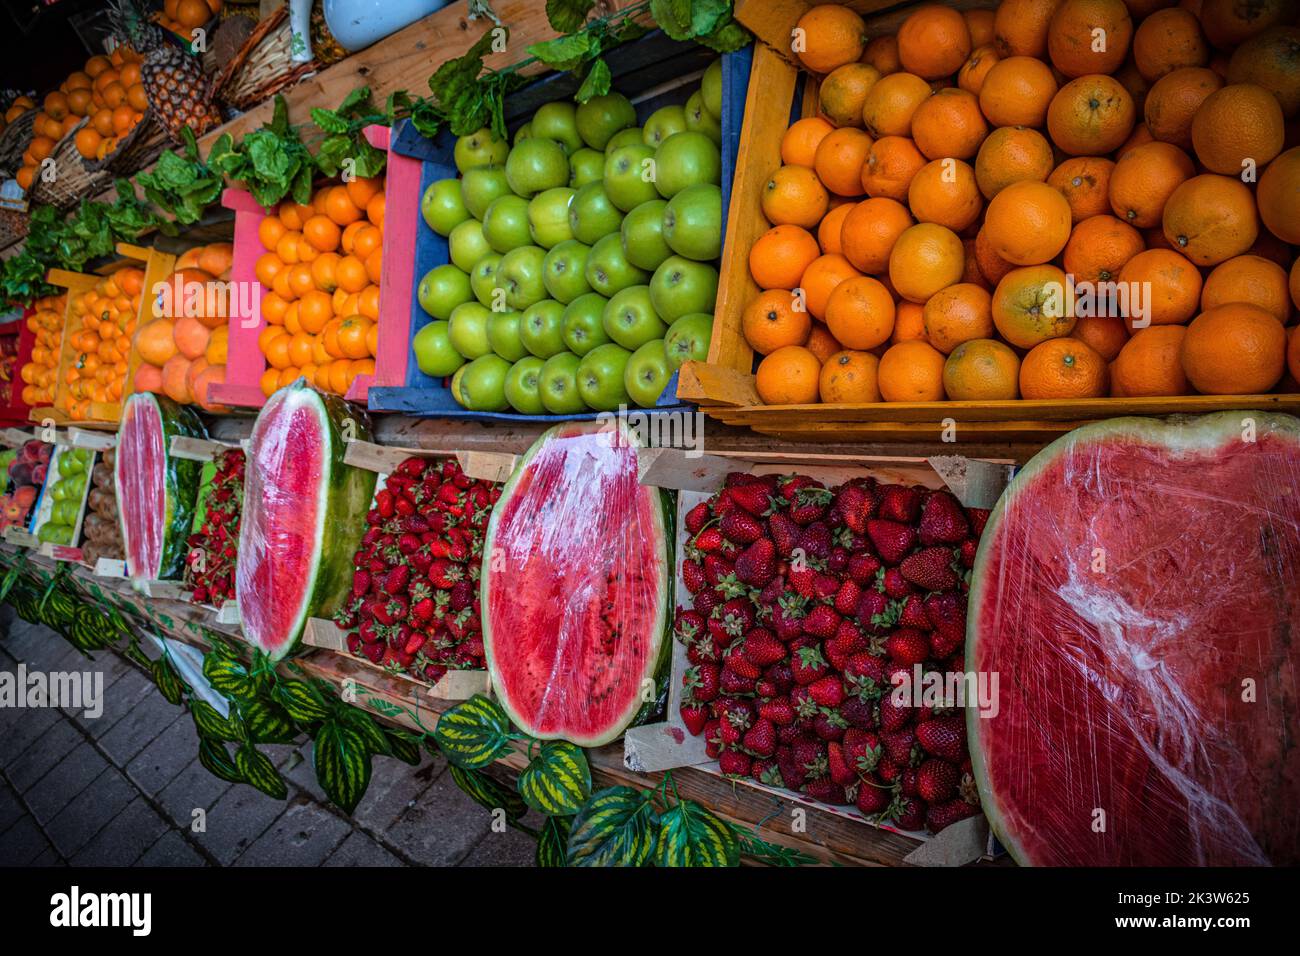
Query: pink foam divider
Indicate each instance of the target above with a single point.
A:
(245, 362)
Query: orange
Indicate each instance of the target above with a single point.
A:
(87, 142)
(361, 190)
(217, 346)
(372, 339)
(56, 104)
(1090, 116)
(292, 215)
(1173, 100)
(1140, 136)
(1017, 92)
(860, 313)
(113, 93)
(821, 343)
(829, 36)
(958, 314)
(778, 258)
(1028, 223)
(300, 279)
(1237, 125)
(300, 349)
(1150, 364)
(191, 337)
(945, 191)
(314, 310)
(1249, 279)
(842, 94)
(340, 207)
(949, 124)
(911, 371)
(323, 271)
(794, 195)
(1211, 218)
(771, 321)
(1235, 349)
(1104, 334)
(933, 42)
(277, 351)
(839, 160)
(1099, 247)
(1173, 285)
(1009, 155)
(980, 24)
(1228, 22)
(1063, 368)
(352, 336)
(267, 334)
(351, 274)
(799, 144)
(375, 210)
(820, 279)
(41, 147)
(350, 234)
(789, 376)
(270, 231)
(1293, 354)
(287, 247)
(123, 119)
(1279, 197)
(982, 370)
(1166, 41)
(926, 258)
(1072, 40)
(154, 341)
(1271, 59)
(322, 233)
(367, 303)
(882, 53)
(274, 308)
(292, 324)
(216, 258)
(891, 102)
(1020, 26)
(849, 377)
(829, 230)
(1144, 179)
(367, 239)
(891, 163)
(1030, 306)
(869, 231)
(288, 376)
(1294, 283)
(976, 69)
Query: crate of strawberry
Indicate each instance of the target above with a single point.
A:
(210, 561)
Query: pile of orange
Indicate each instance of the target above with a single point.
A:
(182, 16)
(925, 221)
(108, 90)
(39, 374)
(20, 105)
(182, 347)
(320, 286)
(97, 342)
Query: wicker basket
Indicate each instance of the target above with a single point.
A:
(13, 226)
(72, 180)
(135, 151)
(262, 67)
(15, 139)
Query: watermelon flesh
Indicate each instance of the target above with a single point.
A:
(575, 587)
(1137, 590)
(303, 516)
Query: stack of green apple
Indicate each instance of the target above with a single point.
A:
(66, 495)
(582, 268)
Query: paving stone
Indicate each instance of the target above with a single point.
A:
(394, 788)
(510, 848)
(27, 641)
(119, 701)
(90, 811)
(22, 842)
(65, 781)
(359, 849)
(149, 718)
(165, 757)
(193, 788)
(55, 744)
(112, 666)
(125, 838)
(11, 806)
(236, 821)
(302, 774)
(172, 850)
(304, 835)
(442, 827)
(19, 727)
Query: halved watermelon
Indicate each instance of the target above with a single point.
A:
(575, 590)
(304, 514)
(1137, 590)
(155, 492)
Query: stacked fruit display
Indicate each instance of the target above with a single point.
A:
(320, 286)
(103, 532)
(925, 222)
(25, 474)
(10, 383)
(210, 563)
(183, 348)
(40, 373)
(67, 494)
(581, 270)
(183, 17)
(809, 603)
(414, 606)
(98, 340)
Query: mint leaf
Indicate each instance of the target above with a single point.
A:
(568, 16)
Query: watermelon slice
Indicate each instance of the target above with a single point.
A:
(303, 517)
(155, 492)
(577, 572)
(1137, 590)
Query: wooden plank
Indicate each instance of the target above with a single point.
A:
(379, 458)
(486, 465)
(707, 383)
(197, 449)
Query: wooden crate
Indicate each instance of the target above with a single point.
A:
(723, 386)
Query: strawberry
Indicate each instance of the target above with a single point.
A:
(906, 646)
(716, 568)
(947, 615)
(940, 817)
(731, 681)
(756, 498)
(760, 739)
(423, 610)
(936, 780)
(896, 586)
(741, 527)
(874, 612)
(899, 746)
(862, 749)
(840, 770)
(809, 503)
(893, 716)
(736, 617)
(943, 737)
(396, 580)
(899, 503)
(777, 710)
(708, 541)
(693, 576)
(913, 614)
(822, 622)
(891, 539)
(785, 533)
(360, 582)
(862, 568)
(733, 763)
(688, 626)
(827, 691)
(873, 797)
(979, 517)
(942, 520)
(701, 683)
(825, 586)
(736, 664)
(967, 551)
(908, 813)
(803, 582)
(829, 724)
(762, 648)
(756, 565)
(698, 517)
(768, 773)
(807, 664)
(706, 601)
(827, 791)
(855, 505)
(815, 540)
(930, 569)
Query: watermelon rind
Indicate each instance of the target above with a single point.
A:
(180, 483)
(1190, 434)
(342, 497)
(658, 661)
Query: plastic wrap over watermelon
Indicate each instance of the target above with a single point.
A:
(577, 574)
(303, 517)
(1137, 590)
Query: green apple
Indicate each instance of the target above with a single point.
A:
(700, 120)
(688, 339)
(711, 88)
(442, 289)
(600, 377)
(523, 386)
(630, 320)
(521, 134)
(455, 386)
(630, 173)
(467, 330)
(434, 353)
(681, 286)
(536, 165)
(583, 328)
(483, 280)
(548, 216)
(483, 384)
(480, 185)
(481, 148)
(602, 116)
(521, 276)
(558, 384)
(586, 166)
(503, 335)
(608, 270)
(685, 159)
(557, 121)
(592, 215)
(632, 136)
(663, 122)
(442, 206)
(505, 223)
(643, 235)
(542, 328)
(692, 224)
(647, 373)
(564, 270)
(468, 245)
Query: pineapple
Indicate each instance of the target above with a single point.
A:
(178, 92)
